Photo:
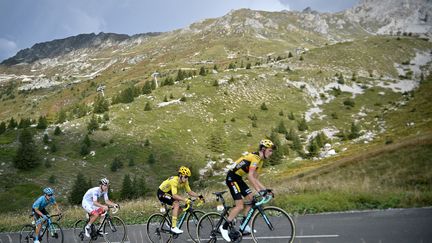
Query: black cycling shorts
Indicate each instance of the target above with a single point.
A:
(165, 197)
(238, 188)
(37, 216)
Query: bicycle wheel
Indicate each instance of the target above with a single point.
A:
(158, 228)
(27, 233)
(208, 227)
(55, 233)
(274, 225)
(191, 223)
(78, 231)
(114, 230)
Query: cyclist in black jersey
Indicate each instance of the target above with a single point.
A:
(249, 165)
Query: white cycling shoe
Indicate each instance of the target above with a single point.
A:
(224, 233)
(87, 231)
(176, 230)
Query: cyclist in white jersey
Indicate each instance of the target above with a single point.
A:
(92, 206)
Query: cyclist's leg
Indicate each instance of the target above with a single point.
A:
(94, 212)
(39, 221)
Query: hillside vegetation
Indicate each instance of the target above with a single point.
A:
(353, 119)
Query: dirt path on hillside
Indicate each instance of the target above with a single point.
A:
(368, 153)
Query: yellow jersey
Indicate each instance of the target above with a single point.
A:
(172, 184)
(244, 163)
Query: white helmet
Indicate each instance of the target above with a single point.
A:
(104, 181)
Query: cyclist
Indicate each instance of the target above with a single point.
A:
(92, 206)
(167, 193)
(39, 209)
(250, 165)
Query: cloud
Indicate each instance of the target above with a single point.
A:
(266, 5)
(8, 48)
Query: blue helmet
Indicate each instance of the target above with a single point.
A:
(48, 191)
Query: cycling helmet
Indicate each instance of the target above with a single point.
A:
(266, 143)
(185, 171)
(48, 191)
(104, 181)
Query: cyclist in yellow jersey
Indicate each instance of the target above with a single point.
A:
(249, 165)
(168, 193)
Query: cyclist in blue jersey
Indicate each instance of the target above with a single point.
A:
(39, 209)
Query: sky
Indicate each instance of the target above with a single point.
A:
(24, 23)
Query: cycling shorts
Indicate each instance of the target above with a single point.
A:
(165, 197)
(238, 188)
(91, 208)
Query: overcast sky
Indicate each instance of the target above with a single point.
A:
(24, 23)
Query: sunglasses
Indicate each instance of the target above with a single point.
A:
(49, 195)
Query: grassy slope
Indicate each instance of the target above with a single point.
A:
(204, 113)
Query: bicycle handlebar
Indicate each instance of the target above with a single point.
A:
(264, 200)
(116, 208)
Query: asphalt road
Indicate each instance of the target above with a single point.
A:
(381, 226)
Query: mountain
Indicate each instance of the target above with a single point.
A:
(216, 88)
(393, 16)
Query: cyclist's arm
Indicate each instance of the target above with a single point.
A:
(253, 178)
(57, 208)
(110, 203)
(38, 212)
(178, 197)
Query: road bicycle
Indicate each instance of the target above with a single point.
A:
(49, 232)
(268, 223)
(159, 224)
(112, 228)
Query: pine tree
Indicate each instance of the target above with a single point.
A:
(45, 139)
(248, 66)
(180, 75)
(290, 55)
(57, 131)
(355, 131)
(131, 162)
(296, 143)
(12, 123)
(202, 71)
(302, 125)
(313, 148)
(100, 105)
(217, 142)
(264, 106)
(281, 128)
(2, 127)
(278, 153)
(79, 188)
(84, 150)
(93, 124)
(61, 116)
(87, 141)
(53, 148)
(140, 187)
(127, 190)
(24, 123)
(42, 123)
(127, 95)
(151, 159)
(147, 88)
(147, 107)
(27, 156)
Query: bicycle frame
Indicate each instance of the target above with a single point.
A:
(48, 225)
(257, 206)
(182, 218)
